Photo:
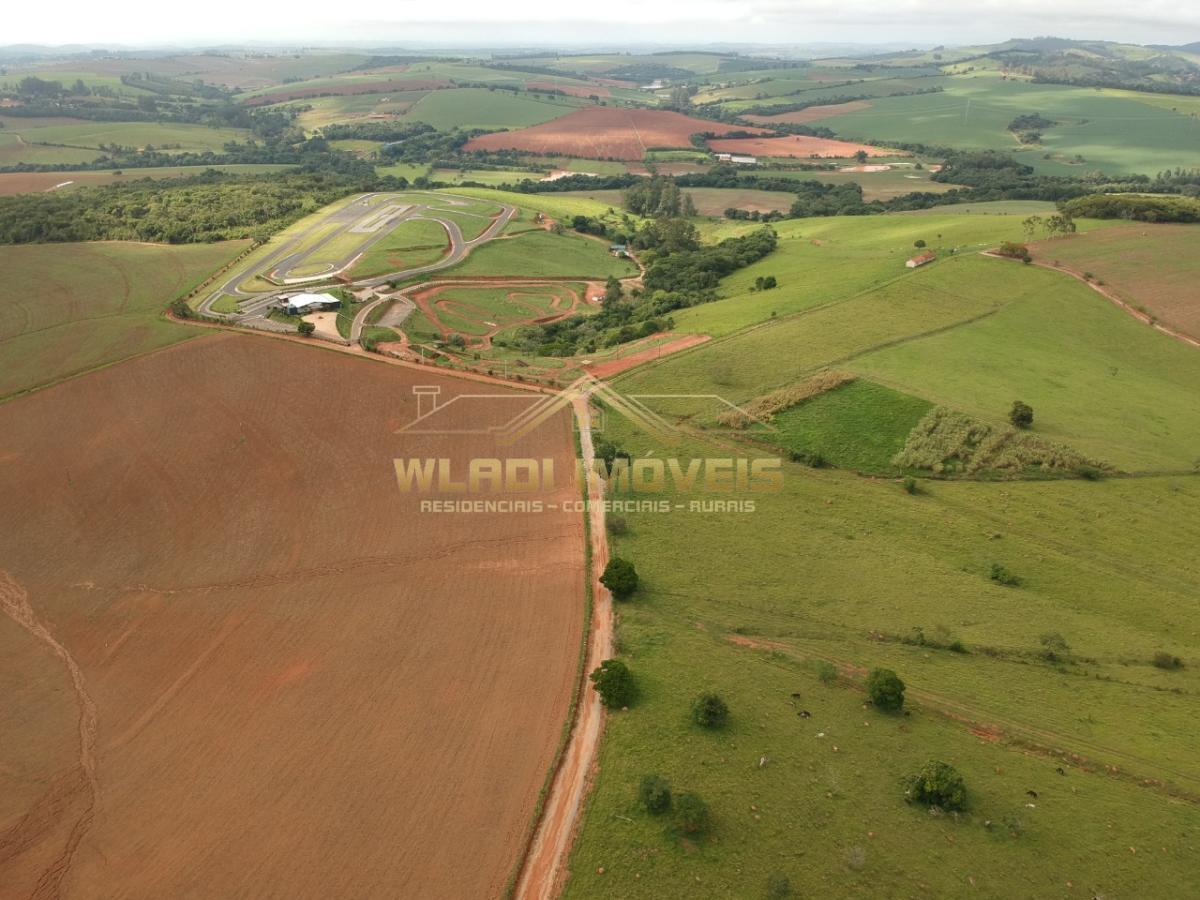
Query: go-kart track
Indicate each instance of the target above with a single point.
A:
(300, 261)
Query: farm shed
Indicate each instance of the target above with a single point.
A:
(921, 260)
(298, 304)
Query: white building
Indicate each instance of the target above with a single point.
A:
(299, 304)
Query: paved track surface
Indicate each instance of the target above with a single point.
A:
(374, 216)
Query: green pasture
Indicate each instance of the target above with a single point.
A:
(834, 570)
(542, 254)
(1111, 131)
(411, 244)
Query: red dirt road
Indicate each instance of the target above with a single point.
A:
(604, 132)
(612, 367)
(299, 684)
(796, 145)
(544, 870)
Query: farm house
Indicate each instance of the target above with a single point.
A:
(299, 304)
(923, 259)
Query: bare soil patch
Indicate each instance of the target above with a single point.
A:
(796, 145)
(603, 132)
(811, 114)
(302, 685)
(611, 367)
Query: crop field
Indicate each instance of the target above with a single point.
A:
(805, 779)
(68, 308)
(810, 114)
(1111, 131)
(412, 243)
(898, 178)
(840, 90)
(31, 182)
(1153, 268)
(481, 108)
(603, 133)
(541, 254)
(795, 145)
(219, 677)
(36, 140)
(710, 201)
(341, 87)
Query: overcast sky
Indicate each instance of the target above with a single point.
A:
(527, 22)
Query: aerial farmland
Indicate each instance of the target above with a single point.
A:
(591, 470)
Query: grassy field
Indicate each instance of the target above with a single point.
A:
(709, 201)
(971, 335)
(23, 140)
(835, 570)
(557, 206)
(541, 254)
(68, 308)
(1130, 261)
(412, 243)
(29, 182)
(824, 259)
(1110, 130)
(859, 426)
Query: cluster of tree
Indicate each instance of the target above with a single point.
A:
(658, 196)
(683, 266)
(208, 207)
(1058, 223)
(1139, 207)
(1028, 128)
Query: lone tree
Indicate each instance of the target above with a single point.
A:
(654, 793)
(885, 689)
(609, 452)
(620, 577)
(306, 328)
(1021, 414)
(692, 814)
(937, 784)
(919, 243)
(614, 683)
(710, 711)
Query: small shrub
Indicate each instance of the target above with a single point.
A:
(910, 485)
(1054, 647)
(1164, 660)
(710, 711)
(826, 672)
(779, 886)
(1021, 414)
(654, 793)
(937, 784)
(616, 524)
(614, 683)
(811, 458)
(692, 814)
(306, 328)
(1001, 575)
(620, 577)
(885, 689)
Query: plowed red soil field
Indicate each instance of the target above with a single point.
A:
(603, 132)
(236, 661)
(797, 145)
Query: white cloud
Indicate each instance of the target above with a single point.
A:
(550, 21)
